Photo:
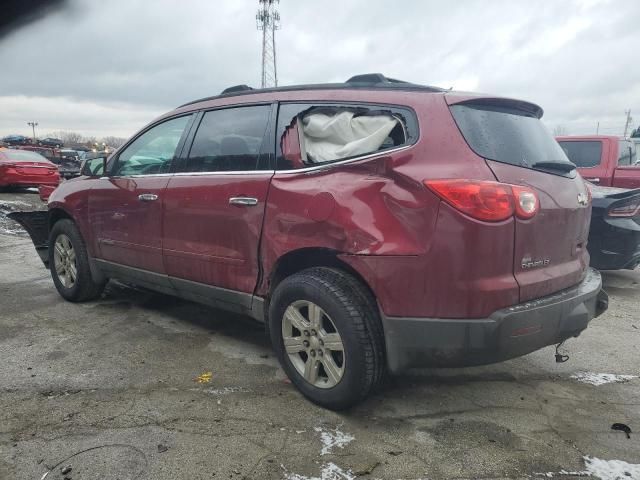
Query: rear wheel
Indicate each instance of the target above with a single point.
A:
(324, 330)
(69, 264)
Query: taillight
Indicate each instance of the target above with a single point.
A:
(526, 200)
(629, 209)
(485, 200)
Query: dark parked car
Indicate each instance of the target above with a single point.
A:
(70, 163)
(51, 142)
(614, 238)
(370, 224)
(17, 140)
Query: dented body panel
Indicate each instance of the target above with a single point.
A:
(222, 237)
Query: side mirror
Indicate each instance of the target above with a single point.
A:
(94, 167)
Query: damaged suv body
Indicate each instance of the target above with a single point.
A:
(372, 225)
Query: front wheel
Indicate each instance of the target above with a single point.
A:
(326, 333)
(69, 264)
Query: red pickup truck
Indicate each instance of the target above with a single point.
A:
(606, 160)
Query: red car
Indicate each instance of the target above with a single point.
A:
(605, 160)
(21, 168)
(371, 225)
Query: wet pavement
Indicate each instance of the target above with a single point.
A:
(144, 386)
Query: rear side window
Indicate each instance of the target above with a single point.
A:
(316, 134)
(507, 135)
(585, 154)
(627, 154)
(229, 140)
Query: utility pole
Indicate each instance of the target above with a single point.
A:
(627, 123)
(598, 128)
(268, 21)
(33, 126)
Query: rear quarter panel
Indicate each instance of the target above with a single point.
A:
(420, 256)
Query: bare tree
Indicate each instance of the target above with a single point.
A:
(559, 130)
(112, 141)
(68, 137)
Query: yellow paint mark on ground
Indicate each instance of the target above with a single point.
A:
(204, 378)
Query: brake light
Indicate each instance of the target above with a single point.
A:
(485, 200)
(630, 209)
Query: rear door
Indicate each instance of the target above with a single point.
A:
(214, 206)
(589, 156)
(550, 248)
(125, 207)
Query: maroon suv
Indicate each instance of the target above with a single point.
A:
(372, 225)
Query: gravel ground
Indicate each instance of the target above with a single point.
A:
(144, 386)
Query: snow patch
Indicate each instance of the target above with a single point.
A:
(335, 438)
(330, 471)
(611, 469)
(602, 469)
(598, 379)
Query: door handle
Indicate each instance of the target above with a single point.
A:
(593, 180)
(243, 201)
(147, 197)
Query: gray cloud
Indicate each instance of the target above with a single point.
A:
(109, 67)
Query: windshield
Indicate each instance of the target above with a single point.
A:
(507, 135)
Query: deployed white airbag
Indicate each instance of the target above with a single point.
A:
(343, 135)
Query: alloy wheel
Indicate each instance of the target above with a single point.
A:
(313, 344)
(64, 261)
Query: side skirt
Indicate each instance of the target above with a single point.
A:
(230, 300)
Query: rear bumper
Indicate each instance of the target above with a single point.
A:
(505, 334)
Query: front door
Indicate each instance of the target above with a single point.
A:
(214, 205)
(125, 208)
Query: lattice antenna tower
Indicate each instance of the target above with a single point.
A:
(268, 21)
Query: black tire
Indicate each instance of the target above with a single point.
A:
(353, 311)
(84, 287)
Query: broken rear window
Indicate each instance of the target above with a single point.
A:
(310, 135)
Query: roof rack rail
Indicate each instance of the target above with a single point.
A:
(373, 78)
(236, 88)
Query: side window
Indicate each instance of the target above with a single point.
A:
(625, 153)
(153, 151)
(309, 134)
(634, 155)
(229, 139)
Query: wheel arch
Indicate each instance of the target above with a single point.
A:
(295, 261)
(57, 214)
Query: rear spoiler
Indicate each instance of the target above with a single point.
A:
(37, 226)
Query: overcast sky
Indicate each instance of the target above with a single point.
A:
(109, 67)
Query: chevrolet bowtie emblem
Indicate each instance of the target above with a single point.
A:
(582, 199)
